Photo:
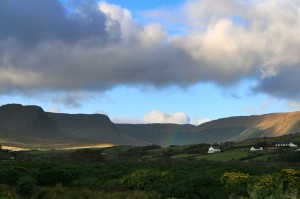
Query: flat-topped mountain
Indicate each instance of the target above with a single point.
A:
(32, 127)
(26, 122)
(90, 128)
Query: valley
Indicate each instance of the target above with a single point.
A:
(43, 155)
(33, 128)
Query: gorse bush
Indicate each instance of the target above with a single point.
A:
(88, 182)
(283, 184)
(236, 183)
(26, 185)
(265, 186)
(141, 179)
(53, 176)
(171, 179)
(10, 176)
(290, 179)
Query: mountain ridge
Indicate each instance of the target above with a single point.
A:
(32, 126)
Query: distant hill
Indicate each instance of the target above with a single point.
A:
(221, 130)
(32, 127)
(94, 128)
(26, 124)
(174, 134)
(161, 134)
(269, 125)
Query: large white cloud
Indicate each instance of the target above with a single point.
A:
(159, 117)
(162, 118)
(96, 46)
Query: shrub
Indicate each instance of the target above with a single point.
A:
(9, 176)
(53, 176)
(235, 183)
(88, 182)
(290, 179)
(142, 178)
(26, 185)
(266, 186)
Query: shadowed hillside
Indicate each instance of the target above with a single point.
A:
(30, 126)
(160, 134)
(221, 130)
(90, 128)
(174, 134)
(27, 124)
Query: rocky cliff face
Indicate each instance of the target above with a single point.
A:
(27, 121)
(31, 126)
(90, 128)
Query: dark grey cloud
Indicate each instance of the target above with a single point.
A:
(31, 21)
(59, 67)
(284, 85)
(48, 46)
(72, 99)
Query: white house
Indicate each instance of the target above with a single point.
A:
(285, 144)
(254, 149)
(293, 145)
(213, 150)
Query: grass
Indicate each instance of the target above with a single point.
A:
(117, 149)
(263, 158)
(225, 156)
(59, 192)
(250, 142)
(41, 152)
(183, 155)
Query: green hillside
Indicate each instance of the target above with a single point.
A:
(32, 127)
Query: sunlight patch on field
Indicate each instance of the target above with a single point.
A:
(12, 148)
(89, 146)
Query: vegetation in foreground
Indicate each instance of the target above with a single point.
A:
(150, 172)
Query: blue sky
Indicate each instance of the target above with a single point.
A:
(152, 61)
(139, 6)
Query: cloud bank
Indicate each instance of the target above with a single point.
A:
(162, 118)
(47, 46)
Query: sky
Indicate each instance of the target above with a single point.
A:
(159, 61)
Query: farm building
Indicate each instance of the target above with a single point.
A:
(285, 144)
(258, 149)
(213, 149)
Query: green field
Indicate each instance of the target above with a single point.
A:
(256, 141)
(184, 155)
(144, 172)
(225, 156)
(263, 158)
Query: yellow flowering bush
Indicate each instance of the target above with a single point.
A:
(285, 183)
(235, 183)
(266, 185)
(290, 179)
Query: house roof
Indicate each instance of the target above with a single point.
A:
(215, 148)
(284, 142)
